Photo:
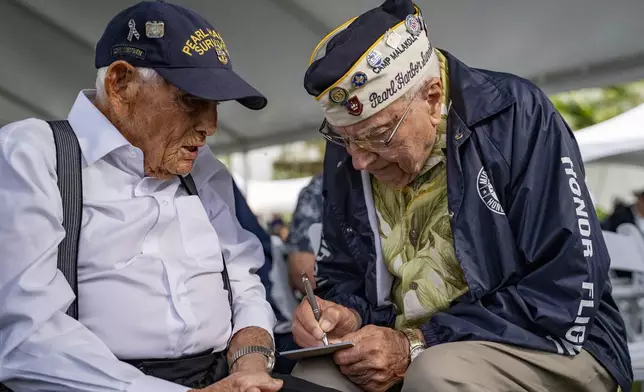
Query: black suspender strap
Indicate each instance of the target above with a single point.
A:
(70, 183)
(189, 183)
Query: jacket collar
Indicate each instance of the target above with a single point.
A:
(475, 95)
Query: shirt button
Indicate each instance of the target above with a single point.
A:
(451, 214)
(413, 285)
(165, 203)
(459, 136)
(413, 236)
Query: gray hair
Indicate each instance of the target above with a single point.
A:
(148, 74)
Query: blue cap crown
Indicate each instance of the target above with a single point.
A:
(181, 46)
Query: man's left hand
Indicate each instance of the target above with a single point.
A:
(378, 359)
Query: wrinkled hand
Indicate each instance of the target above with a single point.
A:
(336, 321)
(378, 359)
(245, 382)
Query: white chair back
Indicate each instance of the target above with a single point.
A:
(626, 248)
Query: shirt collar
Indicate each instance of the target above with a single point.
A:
(96, 135)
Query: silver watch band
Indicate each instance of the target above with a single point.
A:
(267, 352)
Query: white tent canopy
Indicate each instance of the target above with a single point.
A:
(47, 50)
(613, 153)
(267, 197)
(618, 140)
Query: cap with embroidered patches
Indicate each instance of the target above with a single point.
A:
(370, 61)
(184, 48)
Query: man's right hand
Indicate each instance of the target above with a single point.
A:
(245, 382)
(336, 321)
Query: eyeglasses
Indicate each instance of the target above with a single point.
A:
(370, 143)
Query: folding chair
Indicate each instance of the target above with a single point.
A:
(626, 249)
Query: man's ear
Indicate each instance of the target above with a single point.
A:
(121, 85)
(432, 90)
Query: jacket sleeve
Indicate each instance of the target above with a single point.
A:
(556, 232)
(340, 277)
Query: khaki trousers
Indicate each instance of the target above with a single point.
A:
(480, 367)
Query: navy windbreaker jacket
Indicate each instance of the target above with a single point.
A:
(524, 227)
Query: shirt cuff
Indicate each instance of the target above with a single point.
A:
(254, 317)
(147, 383)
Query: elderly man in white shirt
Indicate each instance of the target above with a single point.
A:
(150, 256)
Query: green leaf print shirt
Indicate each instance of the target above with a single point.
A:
(416, 236)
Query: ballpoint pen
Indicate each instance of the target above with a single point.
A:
(314, 303)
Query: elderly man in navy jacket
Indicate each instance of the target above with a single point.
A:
(461, 249)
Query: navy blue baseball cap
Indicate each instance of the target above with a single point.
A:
(181, 46)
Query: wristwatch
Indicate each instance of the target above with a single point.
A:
(416, 345)
(267, 352)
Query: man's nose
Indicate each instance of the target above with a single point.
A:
(211, 130)
(361, 158)
(208, 120)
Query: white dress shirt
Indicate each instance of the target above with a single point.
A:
(149, 265)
